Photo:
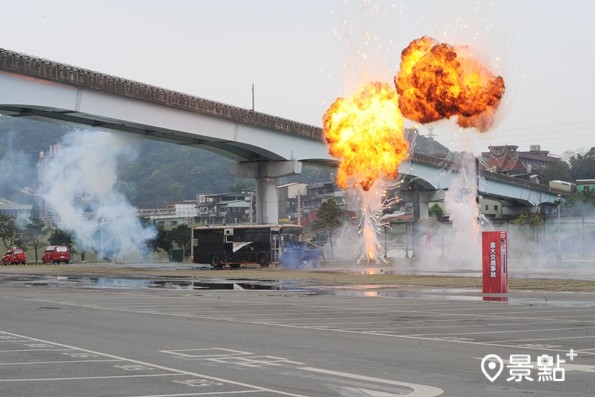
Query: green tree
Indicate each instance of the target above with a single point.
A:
(582, 166)
(531, 219)
(436, 212)
(580, 203)
(61, 237)
(181, 236)
(328, 219)
(559, 170)
(9, 232)
(161, 241)
(33, 234)
(166, 239)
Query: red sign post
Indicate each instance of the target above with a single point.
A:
(494, 252)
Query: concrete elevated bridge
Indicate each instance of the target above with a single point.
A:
(264, 147)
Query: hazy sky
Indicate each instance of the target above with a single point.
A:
(301, 55)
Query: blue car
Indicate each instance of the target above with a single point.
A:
(300, 254)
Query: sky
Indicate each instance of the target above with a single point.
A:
(292, 59)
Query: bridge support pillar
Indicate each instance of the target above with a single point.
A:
(266, 174)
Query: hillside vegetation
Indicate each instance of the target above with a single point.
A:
(161, 173)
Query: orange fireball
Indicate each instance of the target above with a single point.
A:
(437, 81)
(365, 131)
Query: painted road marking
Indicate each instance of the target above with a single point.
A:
(206, 353)
(499, 313)
(506, 314)
(222, 353)
(85, 378)
(254, 360)
(418, 390)
(136, 365)
(232, 357)
(59, 362)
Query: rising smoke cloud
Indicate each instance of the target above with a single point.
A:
(15, 165)
(78, 184)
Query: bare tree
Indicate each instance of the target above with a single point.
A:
(33, 234)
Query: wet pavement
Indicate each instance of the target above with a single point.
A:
(305, 287)
(568, 270)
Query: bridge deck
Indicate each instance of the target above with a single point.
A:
(28, 65)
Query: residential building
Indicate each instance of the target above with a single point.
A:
(207, 209)
(172, 214)
(299, 202)
(291, 196)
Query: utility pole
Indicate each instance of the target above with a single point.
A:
(299, 208)
(251, 208)
(252, 96)
(558, 200)
(431, 136)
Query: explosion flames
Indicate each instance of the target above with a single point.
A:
(366, 131)
(435, 81)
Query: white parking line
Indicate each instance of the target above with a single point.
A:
(59, 362)
(516, 331)
(33, 350)
(87, 377)
(253, 388)
(546, 339)
(215, 393)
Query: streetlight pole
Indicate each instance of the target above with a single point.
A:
(559, 242)
(406, 241)
(101, 239)
(385, 241)
(251, 210)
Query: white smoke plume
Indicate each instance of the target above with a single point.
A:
(15, 165)
(78, 184)
(460, 203)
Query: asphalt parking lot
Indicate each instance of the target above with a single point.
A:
(62, 336)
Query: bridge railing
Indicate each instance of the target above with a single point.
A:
(28, 65)
(441, 163)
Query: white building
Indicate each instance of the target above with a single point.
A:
(20, 212)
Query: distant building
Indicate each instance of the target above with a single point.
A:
(585, 185)
(207, 209)
(507, 160)
(20, 212)
(536, 159)
(298, 203)
(172, 214)
(291, 196)
(503, 160)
